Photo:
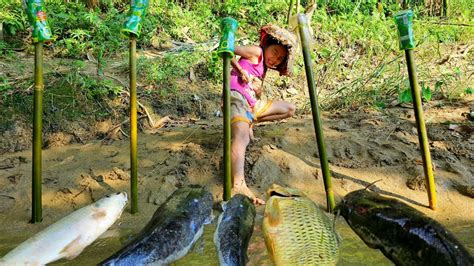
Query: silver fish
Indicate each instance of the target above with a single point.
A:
(68, 237)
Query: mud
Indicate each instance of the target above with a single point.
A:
(363, 147)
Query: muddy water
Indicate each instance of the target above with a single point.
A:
(352, 250)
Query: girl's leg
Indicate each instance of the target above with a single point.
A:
(240, 140)
(278, 110)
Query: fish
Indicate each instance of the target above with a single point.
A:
(403, 234)
(234, 229)
(296, 231)
(68, 237)
(171, 232)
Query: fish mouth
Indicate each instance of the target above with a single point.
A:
(275, 193)
(338, 208)
(287, 192)
(125, 195)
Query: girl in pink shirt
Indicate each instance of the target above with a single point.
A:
(275, 52)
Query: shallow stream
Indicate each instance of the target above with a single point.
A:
(352, 250)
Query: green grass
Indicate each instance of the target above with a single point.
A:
(67, 97)
(356, 56)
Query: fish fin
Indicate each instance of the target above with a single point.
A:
(334, 219)
(73, 249)
(99, 213)
(338, 236)
(273, 213)
(223, 205)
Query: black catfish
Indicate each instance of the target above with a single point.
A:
(169, 235)
(403, 234)
(234, 229)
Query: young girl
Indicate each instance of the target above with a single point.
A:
(275, 52)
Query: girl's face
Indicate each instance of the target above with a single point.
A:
(274, 55)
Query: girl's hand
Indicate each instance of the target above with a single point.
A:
(244, 75)
(257, 86)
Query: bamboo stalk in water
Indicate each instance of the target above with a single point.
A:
(318, 128)
(37, 135)
(133, 124)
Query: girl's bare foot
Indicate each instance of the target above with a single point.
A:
(244, 190)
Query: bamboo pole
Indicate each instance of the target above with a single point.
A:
(226, 51)
(404, 4)
(290, 7)
(305, 40)
(420, 125)
(227, 129)
(37, 135)
(404, 22)
(133, 124)
(445, 8)
(1, 32)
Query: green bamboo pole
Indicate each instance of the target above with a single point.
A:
(227, 129)
(420, 125)
(305, 40)
(41, 32)
(445, 8)
(131, 29)
(289, 12)
(133, 123)
(404, 22)
(37, 134)
(226, 51)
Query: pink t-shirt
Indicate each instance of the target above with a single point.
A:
(236, 83)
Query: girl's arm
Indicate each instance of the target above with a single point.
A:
(240, 70)
(250, 53)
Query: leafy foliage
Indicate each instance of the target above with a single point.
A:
(356, 57)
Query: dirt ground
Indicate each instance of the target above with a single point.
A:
(363, 146)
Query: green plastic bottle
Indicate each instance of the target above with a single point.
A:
(404, 21)
(136, 14)
(36, 13)
(226, 44)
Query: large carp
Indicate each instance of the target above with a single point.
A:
(172, 230)
(69, 236)
(403, 234)
(234, 229)
(296, 231)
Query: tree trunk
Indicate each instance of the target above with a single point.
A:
(445, 8)
(92, 4)
(309, 10)
(1, 31)
(433, 7)
(436, 7)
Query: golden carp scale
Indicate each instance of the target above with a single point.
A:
(297, 232)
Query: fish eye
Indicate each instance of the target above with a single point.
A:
(118, 193)
(108, 196)
(361, 210)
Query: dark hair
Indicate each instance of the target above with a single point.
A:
(270, 41)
